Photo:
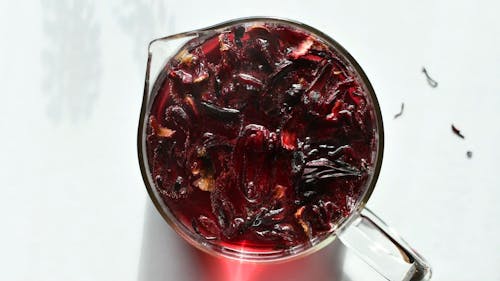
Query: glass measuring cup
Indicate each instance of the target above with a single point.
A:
(361, 231)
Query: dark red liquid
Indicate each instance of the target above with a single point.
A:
(260, 137)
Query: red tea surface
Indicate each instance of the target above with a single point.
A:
(260, 136)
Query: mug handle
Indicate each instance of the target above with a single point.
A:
(382, 249)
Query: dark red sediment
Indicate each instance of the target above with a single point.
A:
(261, 137)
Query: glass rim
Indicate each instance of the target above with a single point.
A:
(241, 255)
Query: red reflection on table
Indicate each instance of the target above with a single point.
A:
(323, 265)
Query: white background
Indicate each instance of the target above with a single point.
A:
(72, 202)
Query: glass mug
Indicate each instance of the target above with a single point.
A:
(362, 231)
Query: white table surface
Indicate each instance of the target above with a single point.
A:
(73, 205)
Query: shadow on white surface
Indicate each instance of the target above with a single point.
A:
(165, 256)
(143, 21)
(70, 59)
